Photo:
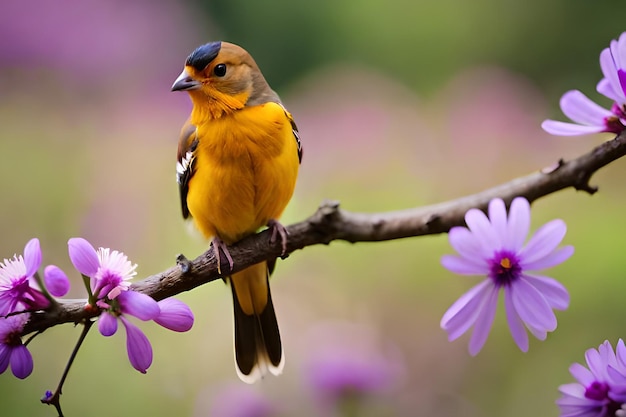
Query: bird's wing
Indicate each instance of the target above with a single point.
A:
(294, 129)
(185, 163)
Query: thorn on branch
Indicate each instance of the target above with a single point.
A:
(554, 167)
(433, 221)
(183, 263)
(585, 186)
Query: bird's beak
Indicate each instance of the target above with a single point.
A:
(184, 82)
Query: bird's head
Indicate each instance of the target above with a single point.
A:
(225, 75)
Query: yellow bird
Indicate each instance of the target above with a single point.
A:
(238, 160)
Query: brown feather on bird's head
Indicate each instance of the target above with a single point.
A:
(225, 73)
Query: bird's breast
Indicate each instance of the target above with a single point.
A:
(245, 172)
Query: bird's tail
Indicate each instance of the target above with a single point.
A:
(258, 348)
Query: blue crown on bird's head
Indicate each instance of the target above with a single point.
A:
(203, 55)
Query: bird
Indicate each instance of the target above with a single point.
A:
(238, 159)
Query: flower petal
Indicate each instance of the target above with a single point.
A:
(620, 51)
(621, 74)
(610, 71)
(531, 306)
(605, 88)
(32, 257)
(21, 362)
(555, 258)
(516, 326)
(596, 365)
(573, 390)
(107, 324)
(480, 226)
(582, 109)
(582, 374)
(5, 356)
(83, 256)
(554, 127)
(467, 245)
(484, 321)
(175, 315)
(497, 216)
(138, 347)
(464, 312)
(540, 333)
(553, 291)
(544, 241)
(139, 305)
(56, 281)
(463, 266)
(518, 225)
(620, 353)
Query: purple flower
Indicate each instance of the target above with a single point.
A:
(494, 247)
(18, 288)
(240, 401)
(601, 387)
(350, 362)
(12, 351)
(174, 315)
(110, 271)
(588, 116)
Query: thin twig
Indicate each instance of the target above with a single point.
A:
(55, 398)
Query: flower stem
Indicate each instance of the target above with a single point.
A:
(44, 291)
(87, 282)
(55, 398)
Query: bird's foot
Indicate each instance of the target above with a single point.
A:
(278, 230)
(218, 245)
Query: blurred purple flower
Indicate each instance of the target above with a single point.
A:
(601, 388)
(240, 401)
(494, 246)
(588, 116)
(349, 364)
(18, 287)
(110, 271)
(12, 351)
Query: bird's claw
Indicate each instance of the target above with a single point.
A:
(278, 230)
(218, 245)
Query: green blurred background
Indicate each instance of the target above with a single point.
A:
(399, 103)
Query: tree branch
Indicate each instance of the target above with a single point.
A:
(330, 223)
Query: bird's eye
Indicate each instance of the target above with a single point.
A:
(220, 70)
